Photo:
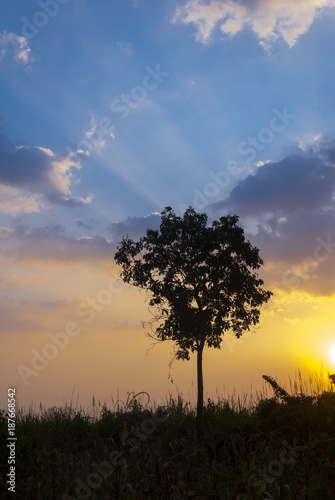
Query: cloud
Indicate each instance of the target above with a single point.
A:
(127, 48)
(5, 232)
(95, 137)
(32, 316)
(299, 252)
(13, 318)
(303, 181)
(291, 204)
(11, 203)
(268, 19)
(134, 227)
(50, 243)
(39, 172)
(17, 45)
(83, 224)
(99, 143)
(12, 282)
(292, 239)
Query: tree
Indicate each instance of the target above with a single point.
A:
(201, 281)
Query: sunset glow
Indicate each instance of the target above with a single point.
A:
(332, 355)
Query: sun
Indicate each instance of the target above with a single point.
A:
(332, 355)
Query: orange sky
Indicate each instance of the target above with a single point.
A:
(111, 355)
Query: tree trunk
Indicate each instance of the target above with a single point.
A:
(200, 404)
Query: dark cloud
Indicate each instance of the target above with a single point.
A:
(329, 149)
(22, 167)
(299, 251)
(38, 171)
(294, 238)
(65, 249)
(305, 180)
(134, 227)
(83, 224)
(51, 243)
(291, 204)
(46, 231)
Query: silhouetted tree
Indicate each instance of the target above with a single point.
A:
(201, 279)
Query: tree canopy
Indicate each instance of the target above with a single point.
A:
(202, 279)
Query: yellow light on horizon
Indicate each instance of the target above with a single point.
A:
(332, 355)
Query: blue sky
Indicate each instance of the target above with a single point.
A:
(212, 98)
(111, 111)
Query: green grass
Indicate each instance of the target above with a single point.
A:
(281, 447)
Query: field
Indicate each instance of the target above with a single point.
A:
(282, 447)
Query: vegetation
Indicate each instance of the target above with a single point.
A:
(281, 448)
(201, 280)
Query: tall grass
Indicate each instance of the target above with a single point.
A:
(280, 447)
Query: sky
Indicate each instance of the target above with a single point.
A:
(111, 111)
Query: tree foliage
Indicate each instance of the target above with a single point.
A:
(202, 279)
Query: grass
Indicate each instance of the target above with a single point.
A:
(280, 447)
